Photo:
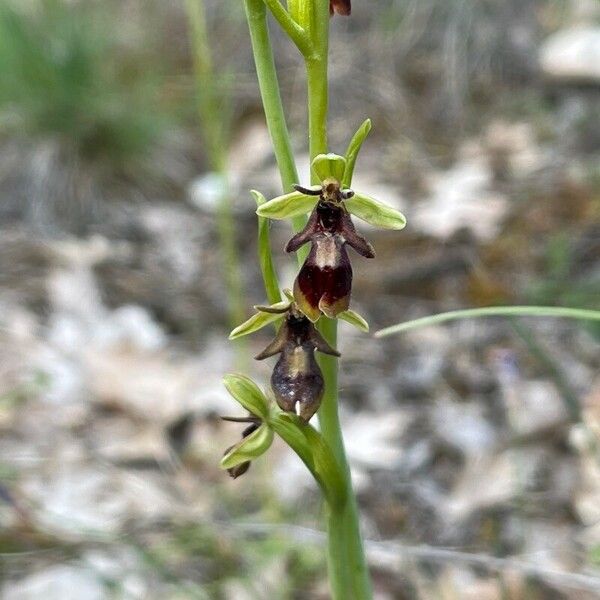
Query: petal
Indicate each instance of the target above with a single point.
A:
(249, 448)
(354, 239)
(277, 345)
(374, 212)
(354, 319)
(248, 394)
(329, 165)
(287, 206)
(321, 344)
(311, 227)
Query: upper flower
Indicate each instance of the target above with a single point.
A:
(341, 7)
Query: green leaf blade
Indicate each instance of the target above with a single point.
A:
(374, 212)
(493, 311)
(287, 206)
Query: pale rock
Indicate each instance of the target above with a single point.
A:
(572, 55)
(534, 406)
(120, 440)
(513, 146)
(291, 479)
(419, 368)
(463, 426)
(583, 437)
(456, 583)
(488, 480)
(160, 387)
(130, 326)
(60, 582)
(208, 192)
(250, 149)
(549, 544)
(76, 500)
(122, 565)
(461, 197)
(177, 239)
(373, 440)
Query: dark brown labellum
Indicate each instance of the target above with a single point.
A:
(324, 282)
(297, 378)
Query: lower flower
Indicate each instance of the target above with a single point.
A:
(297, 380)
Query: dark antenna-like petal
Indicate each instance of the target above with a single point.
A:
(305, 235)
(354, 239)
(321, 344)
(276, 346)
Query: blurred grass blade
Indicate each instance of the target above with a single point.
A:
(265, 257)
(287, 206)
(314, 452)
(353, 149)
(251, 447)
(248, 394)
(493, 311)
(374, 212)
(355, 319)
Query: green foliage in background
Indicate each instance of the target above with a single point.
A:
(65, 74)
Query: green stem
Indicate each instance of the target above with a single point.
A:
(348, 572)
(256, 13)
(298, 35)
(268, 83)
(346, 560)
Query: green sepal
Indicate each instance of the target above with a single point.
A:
(353, 149)
(325, 166)
(287, 206)
(314, 452)
(248, 394)
(355, 319)
(250, 448)
(258, 321)
(374, 212)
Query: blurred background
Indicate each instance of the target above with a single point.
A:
(479, 438)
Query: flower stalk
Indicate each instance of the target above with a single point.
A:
(298, 382)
